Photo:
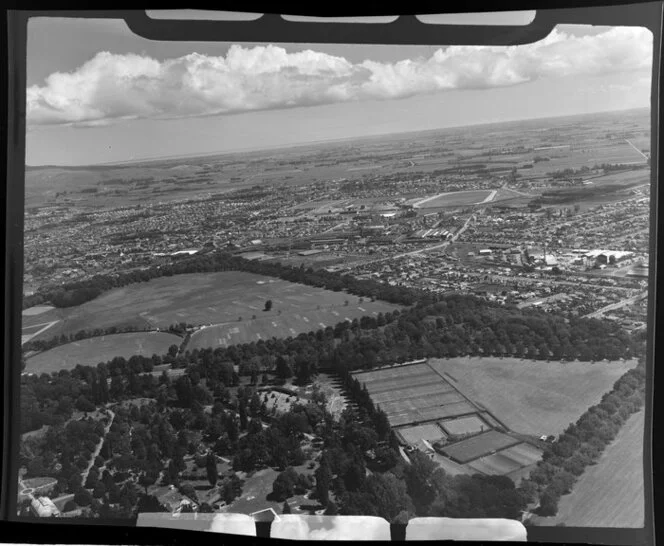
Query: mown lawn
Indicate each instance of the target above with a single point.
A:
(533, 396)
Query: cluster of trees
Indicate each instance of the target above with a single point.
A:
(612, 167)
(279, 444)
(570, 172)
(582, 443)
(346, 483)
(64, 451)
(454, 326)
(289, 483)
(72, 298)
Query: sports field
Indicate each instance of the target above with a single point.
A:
(533, 397)
(299, 316)
(494, 465)
(412, 435)
(212, 298)
(92, 351)
(610, 493)
(477, 446)
(507, 461)
(414, 393)
(464, 425)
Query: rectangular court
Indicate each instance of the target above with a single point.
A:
(495, 465)
(398, 386)
(478, 446)
(465, 425)
(408, 415)
(422, 402)
(393, 373)
(429, 432)
(414, 393)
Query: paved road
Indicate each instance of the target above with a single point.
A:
(85, 473)
(632, 145)
(617, 305)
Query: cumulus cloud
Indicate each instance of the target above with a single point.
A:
(110, 87)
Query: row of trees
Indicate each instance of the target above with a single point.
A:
(583, 442)
(39, 345)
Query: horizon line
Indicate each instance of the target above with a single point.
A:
(275, 147)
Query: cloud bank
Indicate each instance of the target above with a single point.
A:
(110, 88)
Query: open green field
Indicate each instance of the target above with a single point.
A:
(533, 396)
(94, 350)
(301, 314)
(211, 298)
(610, 493)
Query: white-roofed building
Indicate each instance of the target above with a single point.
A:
(44, 507)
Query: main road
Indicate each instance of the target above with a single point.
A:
(621, 303)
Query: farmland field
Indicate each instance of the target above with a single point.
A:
(94, 350)
(533, 396)
(610, 493)
(475, 447)
(212, 298)
(618, 151)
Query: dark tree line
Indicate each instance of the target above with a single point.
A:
(40, 345)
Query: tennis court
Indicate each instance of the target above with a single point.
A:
(496, 464)
(524, 454)
(400, 385)
(405, 416)
(477, 446)
(394, 373)
(421, 403)
(429, 432)
(375, 376)
(465, 425)
(413, 392)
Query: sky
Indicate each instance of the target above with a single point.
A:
(96, 93)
